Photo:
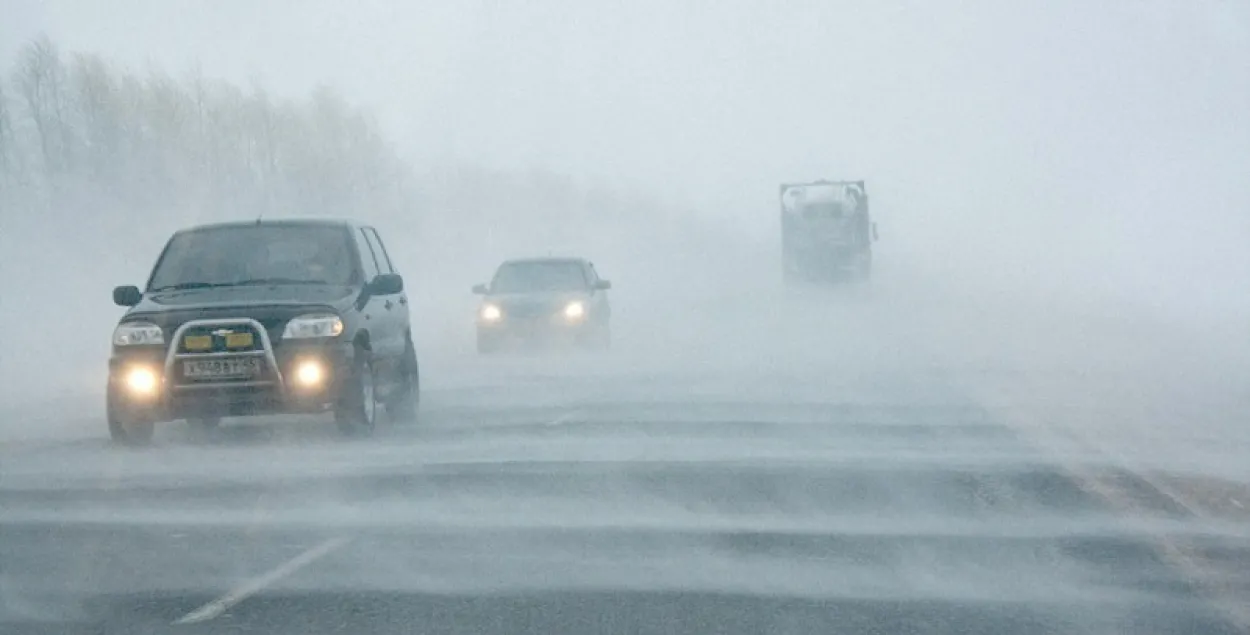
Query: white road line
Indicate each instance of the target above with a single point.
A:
(564, 418)
(251, 587)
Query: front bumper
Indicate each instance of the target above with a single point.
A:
(287, 383)
(542, 330)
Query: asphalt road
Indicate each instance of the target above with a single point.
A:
(581, 495)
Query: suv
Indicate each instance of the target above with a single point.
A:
(264, 317)
(544, 300)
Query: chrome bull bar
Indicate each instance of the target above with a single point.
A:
(173, 356)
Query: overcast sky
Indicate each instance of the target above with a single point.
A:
(1098, 127)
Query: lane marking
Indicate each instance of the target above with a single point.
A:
(1056, 438)
(564, 418)
(251, 587)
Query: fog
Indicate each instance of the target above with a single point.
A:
(1058, 185)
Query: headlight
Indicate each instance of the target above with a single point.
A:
(142, 381)
(574, 310)
(138, 334)
(491, 313)
(309, 373)
(308, 326)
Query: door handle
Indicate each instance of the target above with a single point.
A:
(388, 304)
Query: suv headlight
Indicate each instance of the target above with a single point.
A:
(138, 334)
(313, 325)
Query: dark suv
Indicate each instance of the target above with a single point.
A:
(544, 301)
(264, 317)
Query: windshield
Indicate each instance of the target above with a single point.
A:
(255, 254)
(531, 277)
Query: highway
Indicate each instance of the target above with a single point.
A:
(703, 479)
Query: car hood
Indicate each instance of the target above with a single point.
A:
(536, 299)
(271, 305)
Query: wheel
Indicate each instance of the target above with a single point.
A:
(126, 430)
(205, 423)
(603, 338)
(402, 407)
(357, 411)
(486, 344)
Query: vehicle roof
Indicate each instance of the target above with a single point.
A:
(276, 222)
(545, 260)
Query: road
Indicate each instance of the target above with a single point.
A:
(780, 487)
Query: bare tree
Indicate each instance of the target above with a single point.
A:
(8, 141)
(39, 79)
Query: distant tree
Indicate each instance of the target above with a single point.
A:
(40, 84)
(8, 140)
(95, 97)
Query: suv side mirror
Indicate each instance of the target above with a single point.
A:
(127, 296)
(480, 289)
(386, 284)
(603, 285)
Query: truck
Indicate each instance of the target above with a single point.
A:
(826, 231)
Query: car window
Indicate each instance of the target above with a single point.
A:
(366, 255)
(242, 254)
(379, 250)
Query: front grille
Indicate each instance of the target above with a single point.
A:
(235, 338)
(531, 310)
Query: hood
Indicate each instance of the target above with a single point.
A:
(527, 305)
(271, 305)
(540, 298)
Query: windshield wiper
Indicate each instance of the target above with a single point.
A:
(250, 282)
(264, 281)
(182, 286)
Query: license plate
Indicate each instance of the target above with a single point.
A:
(225, 368)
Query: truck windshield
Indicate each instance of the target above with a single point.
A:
(255, 254)
(533, 277)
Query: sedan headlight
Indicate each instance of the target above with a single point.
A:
(138, 334)
(574, 310)
(315, 325)
(491, 313)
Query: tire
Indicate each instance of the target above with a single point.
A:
(486, 345)
(133, 433)
(403, 406)
(603, 338)
(357, 411)
(205, 423)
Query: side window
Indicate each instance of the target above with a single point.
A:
(367, 259)
(379, 250)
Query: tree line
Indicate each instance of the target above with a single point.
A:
(78, 133)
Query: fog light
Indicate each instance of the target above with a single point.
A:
(309, 373)
(142, 382)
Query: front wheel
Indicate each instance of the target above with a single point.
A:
(127, 430)
(402, 407)
(357, 411)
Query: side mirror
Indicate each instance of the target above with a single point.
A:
(127, 296)
(386, 284)
(480, 289)
(603, 285)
